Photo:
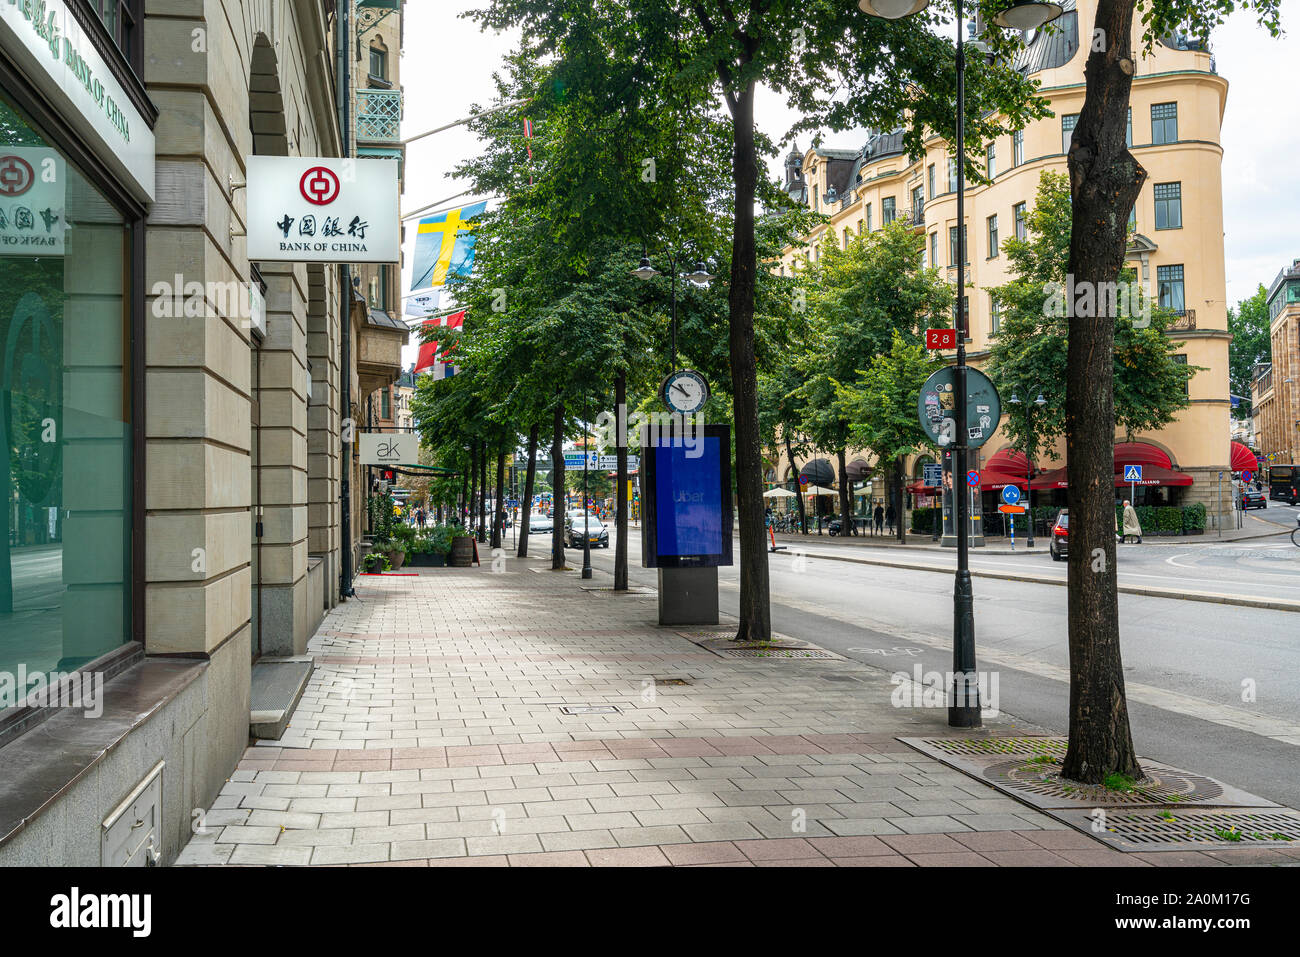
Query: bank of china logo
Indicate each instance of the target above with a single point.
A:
(319, 186)
(16, 176)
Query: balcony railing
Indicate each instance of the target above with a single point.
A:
(1186, 322)
(379, 116)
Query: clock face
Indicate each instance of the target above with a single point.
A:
(685, 392)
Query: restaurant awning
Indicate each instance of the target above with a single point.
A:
(1155, 475)
(1011, 461)
(1243, 459)
(1140, 453)
(992, 480)
(1053, 478)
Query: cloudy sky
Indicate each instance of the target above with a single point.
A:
(448, 63)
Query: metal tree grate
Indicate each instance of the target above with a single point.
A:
(773, 653)
(1177, 828)
(1161, 786)
(1029, 746)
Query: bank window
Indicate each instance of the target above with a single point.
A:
(1068, 123)
(1164, 123)
(1019, 214)
(1169, 283)
(886, 211)
(1018, 148)
(930, 173)
(1169, 205)
(991, 160)
(993, 235)
(66, 510)
(121, 18)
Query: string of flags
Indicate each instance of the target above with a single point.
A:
(433, 355)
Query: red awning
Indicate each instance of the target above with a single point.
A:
(1243, 459)
(1140, 453)
(1155, 475)
(1055, 478)
(991, 480)
(920, 488)
(1011, 461)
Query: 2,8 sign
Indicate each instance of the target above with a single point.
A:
(941, 338)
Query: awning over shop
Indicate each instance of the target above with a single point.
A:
(1243, 459)
(1155, 475)
(1140, 453)
(992, 480)
(1054, 478)
(1011, 461)
(920, 488)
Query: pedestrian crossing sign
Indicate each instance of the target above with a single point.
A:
(1132, 473)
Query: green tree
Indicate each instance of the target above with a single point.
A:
(1248, 323)
(860, 299)
(1029, 352)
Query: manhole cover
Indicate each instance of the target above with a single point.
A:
(590, 709)
(1161, 786)
(1178, 828)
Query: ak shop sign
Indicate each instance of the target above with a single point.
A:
(323, 209)
(389, 448)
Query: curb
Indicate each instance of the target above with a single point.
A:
(1269, 604)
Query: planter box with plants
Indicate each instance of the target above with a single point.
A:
(431, 549)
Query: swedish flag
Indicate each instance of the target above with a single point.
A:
(444, 247)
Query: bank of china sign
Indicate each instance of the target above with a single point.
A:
(46, 40)
(315, 209)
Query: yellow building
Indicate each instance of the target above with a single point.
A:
(1177, 248)
(1275, 390)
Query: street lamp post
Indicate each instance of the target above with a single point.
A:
(586, 520)
(1029, 465)
(964, 706)
(700, 278)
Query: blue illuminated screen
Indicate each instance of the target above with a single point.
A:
(688, 500)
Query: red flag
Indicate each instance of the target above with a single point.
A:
(431, 352)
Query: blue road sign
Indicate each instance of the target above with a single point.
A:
(972, 478)
(1011, 494)
(1248, 476)
(1132, 473)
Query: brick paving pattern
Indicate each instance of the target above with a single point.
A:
(431, 735)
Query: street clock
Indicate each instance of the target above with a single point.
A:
(684, 392)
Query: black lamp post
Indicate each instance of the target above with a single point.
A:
(586, 522)
(964, 709)
(1029, 464)
(699, 277)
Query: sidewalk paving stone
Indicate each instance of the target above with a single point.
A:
(431, 734)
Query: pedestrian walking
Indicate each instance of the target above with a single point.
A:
(890, 517)
(879, 516)
(1132, 527)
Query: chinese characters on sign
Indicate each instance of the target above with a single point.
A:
(312, 209)
(31, 201)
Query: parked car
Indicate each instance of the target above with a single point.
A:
(1253, 498)
(578, 523)
(1059, 544)
(540, 523)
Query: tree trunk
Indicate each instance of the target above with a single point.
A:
(482, 492)
(473, 486)
(798, 492)
(846, 499)
(499, 512)
(526, 503)
(755, 608)
(620, 515)
(557, 488)
(1105, 180)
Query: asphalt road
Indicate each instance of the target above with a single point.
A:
(1187, 664)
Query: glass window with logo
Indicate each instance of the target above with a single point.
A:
(65, 534)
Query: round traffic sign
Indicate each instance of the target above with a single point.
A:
(803, 480)
(1248, 476)
(972, 478)
(1011, 494)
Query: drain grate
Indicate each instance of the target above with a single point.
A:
(1178, 828)
(1029, 746)
(773, 653)
(590, 709)
(1162, 785)
(670, 681)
